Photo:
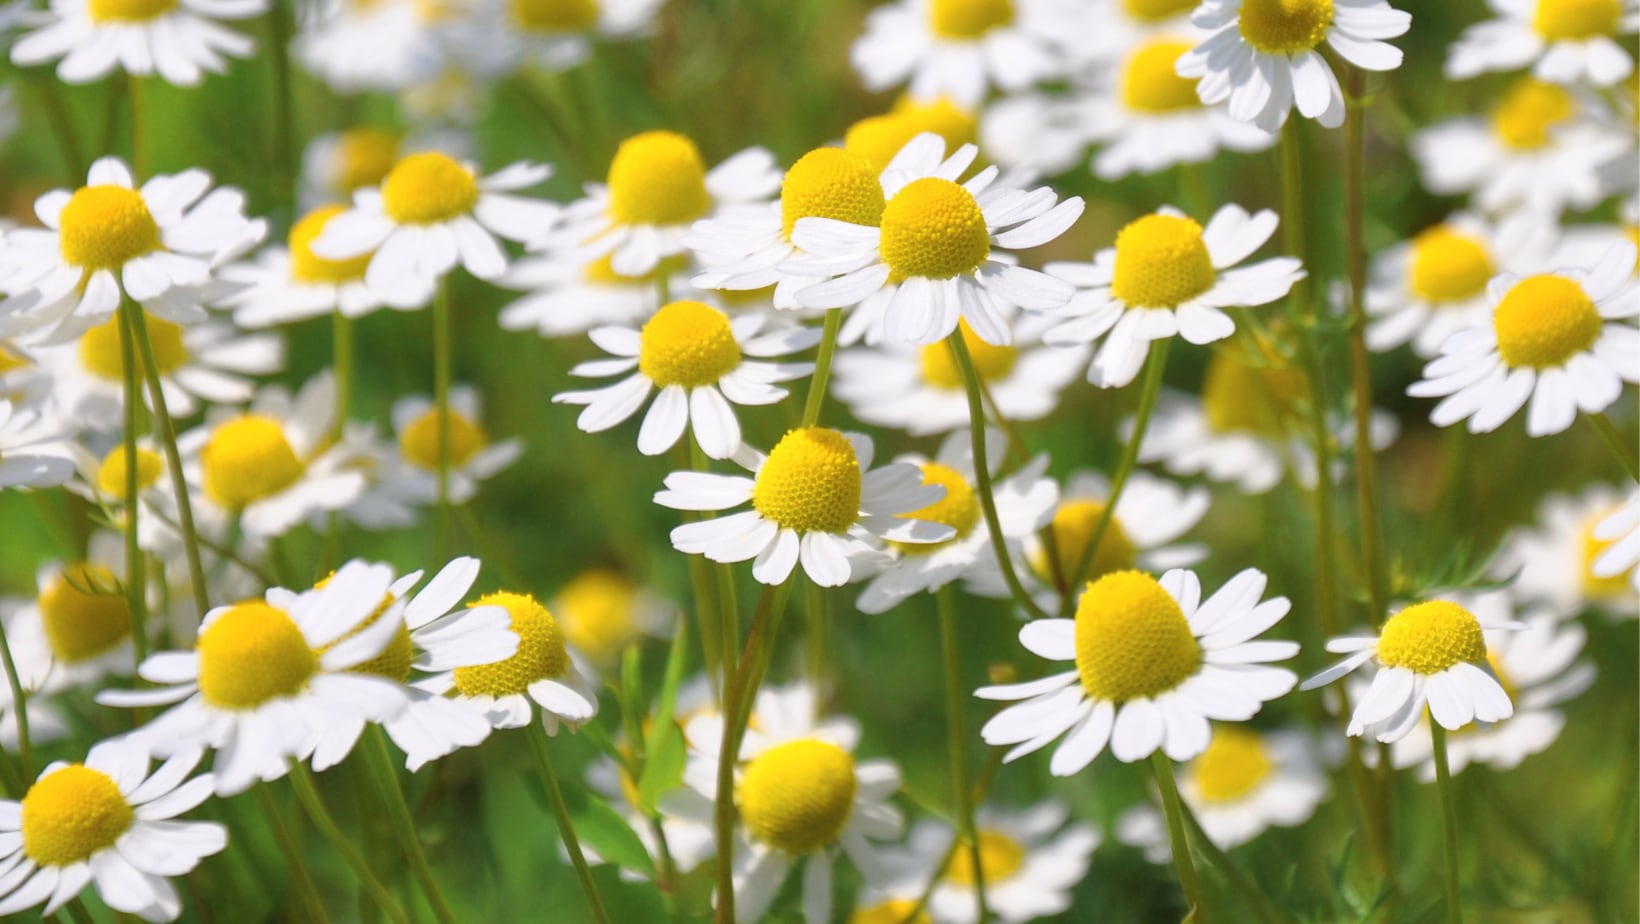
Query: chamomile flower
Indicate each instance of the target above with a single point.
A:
(944, 244)
(1115, 27)
(157, 244)
(76, 631)
(1558, 559)
(815, 498)
(473, 457)
(658, 186)
(1023, 501)
(432, 212)
(960, 48)
(1168, 276)
(696, 355)
(879, 138)
(1564, 41)
(392, 491)
(1153, 663)
(32, 451)
(337, 164)
(1622, 531)
(106, 822)
(265, 679)
(1428, 654)
(1030, 860)
(603, 613)
(571, 293)
(180, 40)
(550, 35)
(1265, 56)
(358, 45)
(1245, 782)
(1427, 288)
(1556, 338)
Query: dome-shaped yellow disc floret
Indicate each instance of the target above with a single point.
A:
(597, 612)
(687, 343)
(1530, 111)
(797, 796)
(251, 654)
(810, 482)
(307, 266)
(1448, 265)
(540, 656)
(1157, 10)
(1132, 640)
(102, 356)
(657, 178)
(246, 459)
(991, 363)
(1073, 526)
(103, 227)
(959, 509)
(555, 15)
(1557, 20)
(968, 19)
(419, 441)
(1241, 397)
(830, 183)
(934, 228)
(111, 473)
(132, 11)
(427, 188)
(1544, 321)
(72, 813)
(84, 612)
(1149, 82)
(1427, 638)
(1000, 856)
(879, 138)
(1285, 27)
(1161, 261)
(1234, 765)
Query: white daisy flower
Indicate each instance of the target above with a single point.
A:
(1559, 559)
(473, 457)
(180, 40)
(1564, 41)
(360, 45)
(603, 613)
(572, 293)
(937, 240)
(157, 244)
(1427, 288)
(32, 451)
(1622, 531)
(548, 35)
(433, 212)
(1245, 782)
(1040, 133)
(75, 632)
(1558, 338)
(1023, 500)
(696, 355)
(658, 186)
(1154, 662)
(266, 679)
(393, 491)
(1030, 861)
(961, 48)
(814, 498)
(1167, 276)
(1542, 148)
(107, 822)
(879, 138)
(1428, 654)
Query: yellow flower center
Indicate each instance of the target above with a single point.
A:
(879, 138)
(102, 227)
(84, 612)
(71, 814)
(657, 178)
(394, 660)
(246, 459)
(1149, 82)
(1233, 766)
(555, 15)
(1073, 526)
(830, 183)
(111, 473)
(1448, 265)
(687, 343)
(307, 266)
(934, 228)
(893, 911)
(797, 796)
(251, 654)
(428, 188)
(540, 656)
(419, 441)
(1283, 27)
(1544, 321)
(1132, 640)
(1427, 638)
(1000, 856)
(101, 355)
(1161, 261)
(364, 156)
(1240, 397)
(128, 10)
(1577, 19)
(1600, 587)
(991, 363)
(595, 611)
(810, 482)
(959, 509)
(1157, 10)
(1529, 111)
(968, 19)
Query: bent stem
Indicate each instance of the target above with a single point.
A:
(292, 852)
(441, 403)
(566, 829)
(135, 573)
(302, 781)
(1624, 451)
(1449, 823)
(25, 749)
(380, 765)
(822, 367)
(1176, 837)
(956, 733)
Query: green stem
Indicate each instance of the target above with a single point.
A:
(341, 330)
(817, 640)
(1449, 823)
(45, 90)
(133, 85)
(441, 401)
(280, 16)
(56, 524)
(19, 701)
(303, 883)
(1176, 837)
(380, 765)
(1624, 451)
(822, 367)
(566, 829)
(1251, 895)
(302, 781)
(956, 701)
(135, 574)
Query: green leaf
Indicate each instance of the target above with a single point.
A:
(604, 830)
(663, 770)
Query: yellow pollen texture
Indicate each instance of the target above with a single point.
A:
(101, 355)
(893, 911)
(797, 796)
(1285, 26)
(1233, 766)
(1544, 321)
(934, 228)
(1132, 640)
(830, 183)
(1161, 261)
(959, 509)
(133, 11)
(595, 612)
(879, 138)
(72, 813)
(1149, 83)
(1427, 638)
(555, 15)
(84, 612)
(428, 188)
(540, 656)
(364, 156)
(1157, 10)
(1577, 19)
(246, 459)
(307, 266)
(657, 178)
(1000, 856)
(111, 473)
(1073, 526)
(991, 363)
(1448, 265)
(968, 19)
(251, 654)
(687, 343)
(810, 482)
(419, 441)
(1529, 112)
(1240, 396)
(103, 227)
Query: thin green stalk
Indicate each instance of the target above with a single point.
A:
(701, 583)
(566, 829)
(379, 763)
(1243, 885)
(1176, 837)
(822, 367)
(728, 606)
(25, 749)
(62, 535)
(1196, 196)
(133, 85)
(956, 701)
(292, 851)
(77, 911)
(982, 475)
(280, 17)
(1155, 365)
(341, 346)
(442, 347)
(135, 574)
(173, 458)
(1624, 451)
(45, 89)
(817, 641)
(302, 781)
(1449, 823)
